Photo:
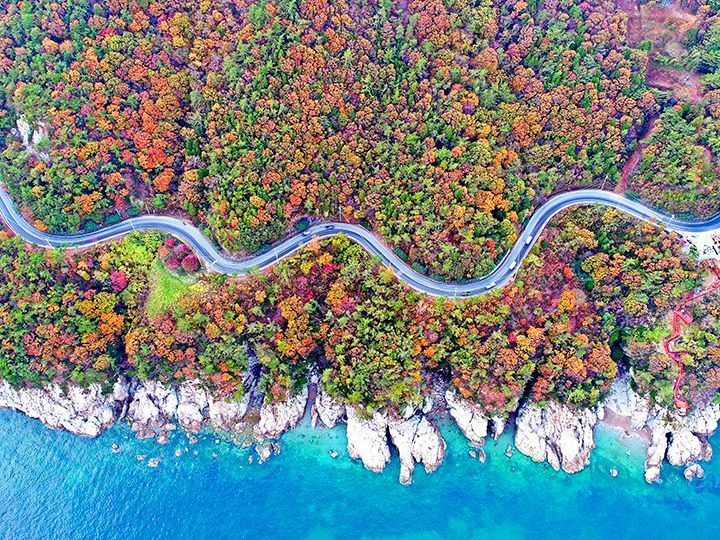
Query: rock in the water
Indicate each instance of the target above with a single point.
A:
(417, 440)
(557, 434)
(694, 471)
(153, 462)
(327, 409)
(84, 411)
(684, 447)
(498, 426)
(367, 439)
(469, 418)
(613, 472)
(277, 417)
(482, 456)
(264, 452)
(679, 439)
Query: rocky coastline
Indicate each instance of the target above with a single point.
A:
(549, 432)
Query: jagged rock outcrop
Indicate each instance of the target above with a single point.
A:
(367, 439)
(84, 411)
(149, 406)
(192, 406)
(227, 415)
(679, 439)
(674, 437)
(656, 451)
(693, 471)
(31, 138)
(277, 417)
(152, 405)
(327, 409)
(417, 440)
(557, 434)
(469, 417)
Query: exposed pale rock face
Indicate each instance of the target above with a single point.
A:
(469, 418)
(84, 411)
(656, 451)
(152, 404)
(694, 471)
(679, 439)
(498, 426)
(227, 415)
(149, 406)
(367, 439)
(624, 401)
(417, 440)
(31, 138)
(685, 447)
(327, 409)
(557, 434)
(192, 406)
(277, 418)
(674, 437)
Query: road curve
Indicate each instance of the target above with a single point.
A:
(219, 262)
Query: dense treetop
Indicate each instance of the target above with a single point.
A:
(439, 124)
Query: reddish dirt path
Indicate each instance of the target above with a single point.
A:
(634, 159)
(678, 318)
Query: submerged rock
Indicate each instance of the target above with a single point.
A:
(277, 417)
(557, 434)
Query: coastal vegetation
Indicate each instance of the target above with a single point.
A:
(590, 299)
(440, 125)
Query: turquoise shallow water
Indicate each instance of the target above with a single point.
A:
(56, 485)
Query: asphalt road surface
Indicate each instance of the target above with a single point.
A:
(219, 262)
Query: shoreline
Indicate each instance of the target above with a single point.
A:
(562, 437)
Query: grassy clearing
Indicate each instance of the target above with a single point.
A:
(165, 290)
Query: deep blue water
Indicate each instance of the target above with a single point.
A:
(57, 485)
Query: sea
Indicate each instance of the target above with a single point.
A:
(55, 485)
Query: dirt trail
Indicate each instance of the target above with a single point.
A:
(634, 159)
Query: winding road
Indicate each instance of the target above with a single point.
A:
(219, 262)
